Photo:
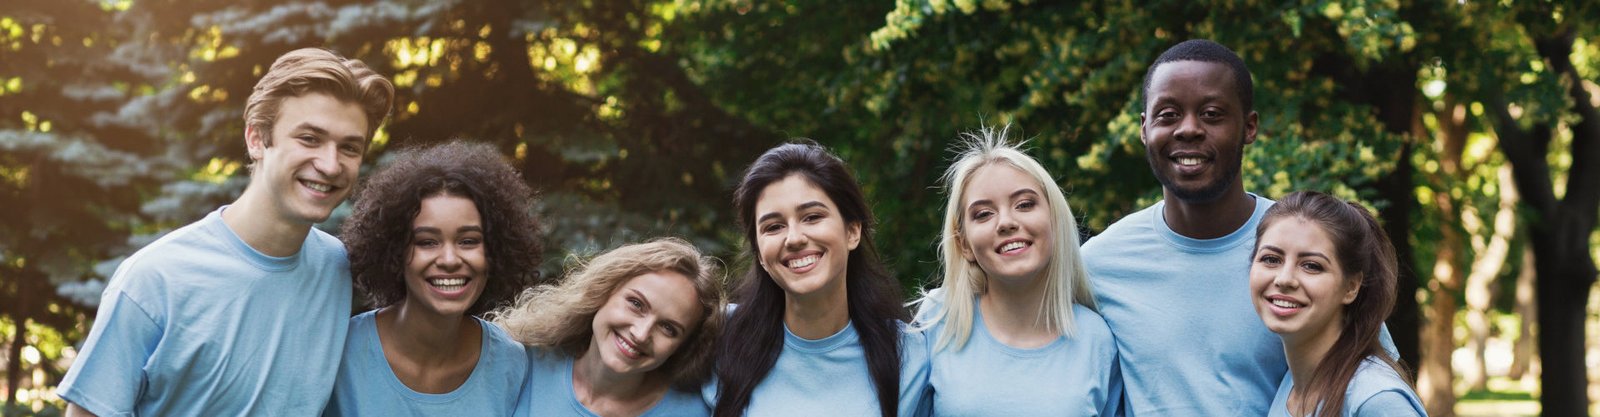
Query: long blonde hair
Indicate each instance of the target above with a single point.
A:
(1067, 281)
(561, 316)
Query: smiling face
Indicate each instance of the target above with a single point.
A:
(1299, 289)
(1195, 129)
(1005, 226)
(803, 239)
(446, 268)
(644, 322)
(315, 157)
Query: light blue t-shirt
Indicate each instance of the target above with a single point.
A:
(1068, 377)
(1188, 336)
(548, 392)
(200, 324)
(1376, 390)
(367, 386)
(829, 377)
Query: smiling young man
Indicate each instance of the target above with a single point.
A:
(244, 312)
(1172, 280)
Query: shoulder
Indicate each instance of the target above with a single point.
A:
(325, 244)
(928, 308)
(1090, 325)
(1377, 389)
(1131, 226)
(500, 342)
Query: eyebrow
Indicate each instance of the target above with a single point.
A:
(1013, 196)
(1302, 254)
(435, 230)
(803, 206)
(324, 132)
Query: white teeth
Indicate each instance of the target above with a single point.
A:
(627, 347)
(803, 262)
(1012, 246)
(448, 284)
(321, 188)
(1286, 303)
(1189, 161)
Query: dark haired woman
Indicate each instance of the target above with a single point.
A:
(442, 235)
(1323, 279)
(819, 326)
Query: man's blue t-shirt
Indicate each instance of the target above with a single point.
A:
(829, 377)
(1068, 377)
(198, 323)
(1376, 390)
(548, 392)
(1188, 336)
(367, 386)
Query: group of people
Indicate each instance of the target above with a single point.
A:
(1211, 302)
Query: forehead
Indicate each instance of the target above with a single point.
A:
(788, 193)
(997, 178)
(446, 208)
(669, 293)
(340, 118)
(1296, 234)
(1192, 80)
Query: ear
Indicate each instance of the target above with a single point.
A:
(853, 231)
(966, 251)
(1142, 129)
(254, 144)
(1355, 289)
(1251, 121)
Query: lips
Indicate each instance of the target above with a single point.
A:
(802, 262)
(1013, 246)
(449, 285)
(1189, 163)
(627, 347)
(319, 187)
(1282, 305)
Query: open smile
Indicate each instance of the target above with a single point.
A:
(802, 262)
(1283, 305)
(1014, 246)
(628, 348)
(449, 286)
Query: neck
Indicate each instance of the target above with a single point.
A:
(1305, 352)
(1209, 219)
(1012, 310)
(592, 380)
(817, 315)
(427, 338)
(264, 232)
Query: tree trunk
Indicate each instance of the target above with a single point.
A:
(1491, 259)
(1434, 376)
(1524, 358)
(1561, 229)
(14, 370)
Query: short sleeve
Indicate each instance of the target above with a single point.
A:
(916, 394)
(1388, 404)
(1113, 406)
(109, 373)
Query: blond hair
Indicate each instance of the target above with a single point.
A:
(1067, 280)
(561, 316)
(315, 70)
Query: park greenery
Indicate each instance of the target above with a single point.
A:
(1470, 126)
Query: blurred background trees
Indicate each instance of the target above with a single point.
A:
(1470, 126)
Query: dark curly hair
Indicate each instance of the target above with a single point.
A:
(378, 234)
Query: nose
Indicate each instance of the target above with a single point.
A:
(640, 332)
(795, 240)
(1285, 279)
(326, 160)
(1189, 129)
(1006, 223)
(448, 259)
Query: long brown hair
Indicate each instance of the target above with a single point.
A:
(1363, 252)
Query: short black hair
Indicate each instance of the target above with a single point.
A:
(378, 234)
(1204, 50)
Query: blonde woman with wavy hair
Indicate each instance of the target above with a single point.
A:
(629, 333)
(1013, 328)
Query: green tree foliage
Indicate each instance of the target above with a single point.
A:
(121, 119)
